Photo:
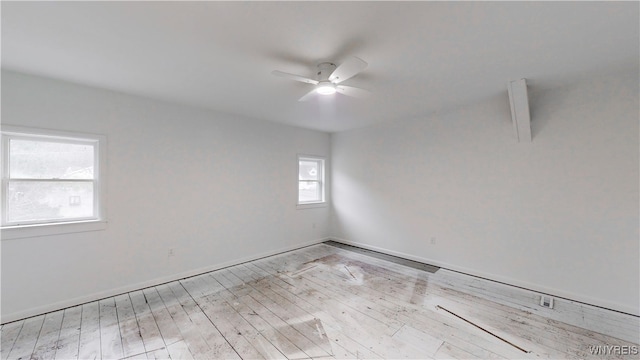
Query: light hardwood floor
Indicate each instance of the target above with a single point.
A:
(316, 302)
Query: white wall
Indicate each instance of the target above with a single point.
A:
(216, 188)
(558, 215)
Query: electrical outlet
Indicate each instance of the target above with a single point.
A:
(433, 241)
(313, 225)
(546, 301)
(170, 253)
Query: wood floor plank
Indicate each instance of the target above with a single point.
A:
(216, 304)
(292, 316)
(132, 343)
(69, 341)
(338, 316)
(371, 319)
(168, 328)
(340, 346)
(459, 330)
(219, 346)
(194, 286)
(159, 354)
(142, 356)
(46, 345)
(89, 347)
(275, 337)
(110, 338)
(189, 331)
(179, 350)
(479, 351)
(147, 323)
(448, 351)
(349, 347)
(418, 339)
(375, 335)
(26, 340)
(306, 346)
(228, 332)
(235, 328)
(262, 322)
(9, 333)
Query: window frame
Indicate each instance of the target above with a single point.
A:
(322, 182)
(11, 230)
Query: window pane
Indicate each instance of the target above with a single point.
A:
(309, 191)
(50, 200)
(309, 170)
(50, 160)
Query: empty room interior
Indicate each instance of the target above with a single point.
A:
(298, 180)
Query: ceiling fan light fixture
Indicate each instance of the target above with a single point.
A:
(326, 88)
(330, 78)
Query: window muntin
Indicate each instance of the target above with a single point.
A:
(49, 179)
(310, 180)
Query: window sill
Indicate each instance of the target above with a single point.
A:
(27, 231)
(311, 205)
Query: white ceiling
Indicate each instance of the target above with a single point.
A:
(423, 56)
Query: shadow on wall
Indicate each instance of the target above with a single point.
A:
(541, 107)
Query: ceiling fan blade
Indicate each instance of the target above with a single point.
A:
(308, 95)
(294, 77)
(347, 69)
(353, 91)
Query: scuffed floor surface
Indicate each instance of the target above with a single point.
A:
(317, 302)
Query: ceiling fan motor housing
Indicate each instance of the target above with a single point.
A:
(325, 70)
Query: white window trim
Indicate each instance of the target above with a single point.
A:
(11, 231)
(323, 182)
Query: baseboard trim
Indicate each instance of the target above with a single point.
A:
(21, 315)
(536, 288)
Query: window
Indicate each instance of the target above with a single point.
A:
(50, 177)
(310, 180)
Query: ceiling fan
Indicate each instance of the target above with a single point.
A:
(329, 78)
